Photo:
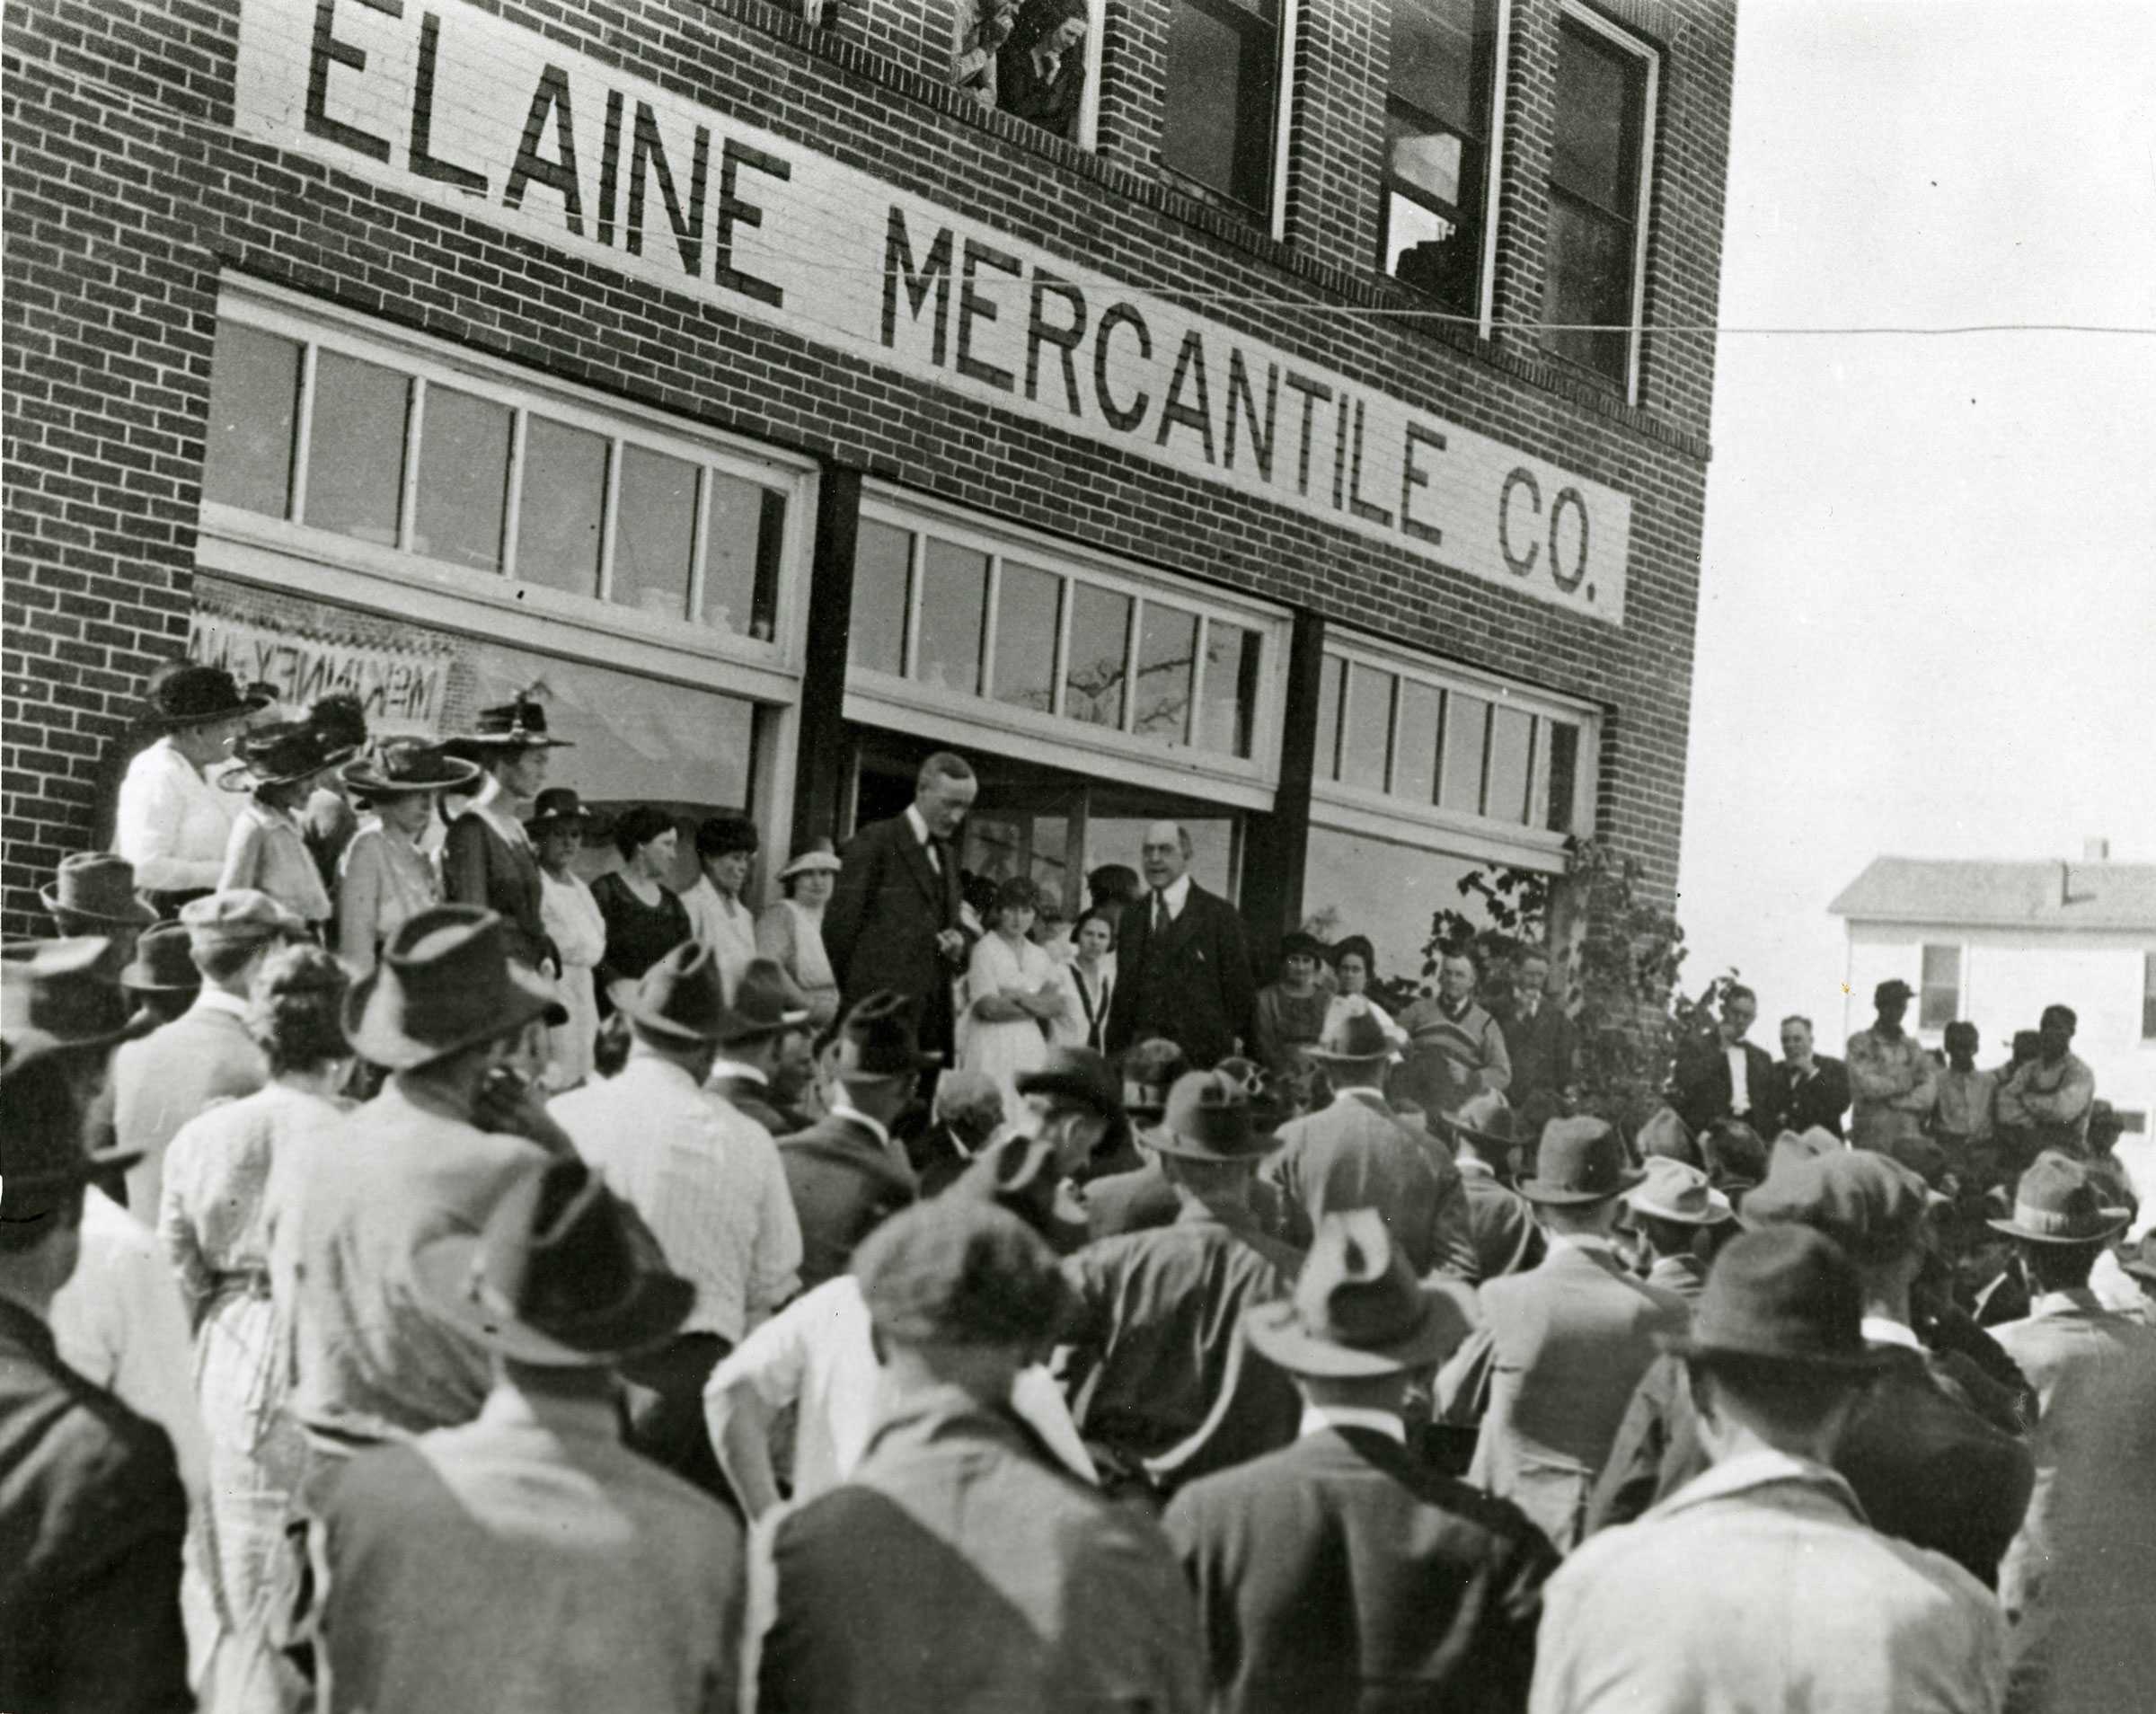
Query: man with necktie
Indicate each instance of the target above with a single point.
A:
(1183, 968)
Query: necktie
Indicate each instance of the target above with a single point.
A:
(1159, 911)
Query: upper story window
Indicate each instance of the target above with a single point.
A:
(369, 450)
(1601, 171)
(1440, 95)
(1037, 60)
(1220, 96)
(1431, 743)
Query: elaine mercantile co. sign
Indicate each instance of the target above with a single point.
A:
(400, 689)
(453, 105)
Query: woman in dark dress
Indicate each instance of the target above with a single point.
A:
(645, 918)
(1041, 71)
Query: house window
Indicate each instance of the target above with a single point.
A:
(1439, 91)
(1939, 1001)
(2148, 996)
(1222, 83)
(1600, 166)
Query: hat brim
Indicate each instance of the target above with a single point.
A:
(90, 1169)
(1858, 1362)
(820, 865)
(644, 1322)
(1277, 1334)
(2114, 1220)
(462, 745)
(375, 1039)
(137, 979)
(247, 704)
(1452, 1131)
(1052, 1082)
(1535, 1190)
(1712, 1217)
(49, 895)
(246, 778)
(359, 777)
(629, 1003)
(746, 1030)
(1163, 1141)
(1331, 1056)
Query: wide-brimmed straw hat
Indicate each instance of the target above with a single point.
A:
(446, 981)
(1579, 1160)
(190, 694)
(563, 1274)
(519, 724)
(1671, 1191)
(1786, 1295)
(394, 766)
(96, 889)
(1356, 1309)
(2057, 1201)
(679, 996)
(816, 860)
(1208, 1118)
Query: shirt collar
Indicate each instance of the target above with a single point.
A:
(1763, 1467)
(842, 1108)
(1474, 1167)
(217, 1000)
(1318, 1418)
(918, 823)
(589, 1419)
(1177, 894)
(1369, 1097)
(732, 1071)
(656, 1069)
(1587, 1243)
(1884, 1329)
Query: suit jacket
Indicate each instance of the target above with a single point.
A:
(91, 1516)
(1544, 1051)
(961, 1570)
(1357, 1153)
(1562, 1347)
(1193, 986)
(527, 1563)
(937, 1159)
(1340, 1573)
(845, 1184)
(480, 867)
(1141, 1198)
(1703, 1090)
(1924, 1465)
(751, 1101)
(880, 926)
(1798, 1104)
(163, 1081)
(1500, 1223)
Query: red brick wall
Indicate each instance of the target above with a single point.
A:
(127, 194)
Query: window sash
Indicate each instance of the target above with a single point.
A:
(1259, 40)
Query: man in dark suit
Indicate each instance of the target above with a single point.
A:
(1806, 1089)
(846, 1174)
(1542, 1042)
(1182, 968)
(1500, 1220)
(1924, 1464)
(753, 1044)
(1340, 1572)
(92, 1511)
(1723, 1075)
(893, 923)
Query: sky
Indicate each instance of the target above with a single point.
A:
(1928, 612)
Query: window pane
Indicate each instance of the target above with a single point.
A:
(1356, 885)
(1026, 614)
(1327, 764)
(1429, 160)
(464, 480)
(1941, 996)
(1368, 730)
(1511, 755)
(563, 504)
(1232, 654)
(954, 601)
(1589, 295)
(253, 394)
(1437, 58)
(655, 529)
(1099, 640)
(1564, 776)
(1218, 124)
(356, 455)
(1167, 656)
(876, 638)
(1942, 965)
(1595, 152)
(743, 540)
(1466, 721)
(1414, 746)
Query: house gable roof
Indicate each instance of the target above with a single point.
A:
(1977, 894)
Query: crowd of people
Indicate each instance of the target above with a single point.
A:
(900, 1301)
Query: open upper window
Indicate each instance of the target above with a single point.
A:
(1221, 96)
(1440, 103)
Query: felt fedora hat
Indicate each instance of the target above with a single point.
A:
(57, 995)
(1487, 1121)
(95, 889)
(1356, 1309)
(877, 1040)
(41, 1151)
(1149, 1069)
(392, 767)
(519, 723)
(762, 1003)
(190, 694)
(556, 807)
(241, 915)
(1359, 1039)
(1785, 1295)
(563, 1274)
(1671, 1191)
(164, 962)
(680, 996)
(1207, 1117)
(280, 755)
(2057, 1201)
(1579, 1160)
(446, 981)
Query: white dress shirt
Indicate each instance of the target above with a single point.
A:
(174, 824)
(706, 1180)
(1318, 1418)
(817, 1354)
(1740, 1080)
(1173, 896)
(919, 824)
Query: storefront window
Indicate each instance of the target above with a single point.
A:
(464, 480)
(655, 529)
(562, 507)
(1100, 653)
(253, 394)
(1466, 726)
(883, 559)
(1232, 654)
(1368, 729)
(1356, 885)
(355, 465)
(954, 599)
(1511, 759)
(1167, 663)
(1028, 603)
(1564, 776)
(1415, 742)
(744, 541)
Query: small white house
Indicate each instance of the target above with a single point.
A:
(1996, 942)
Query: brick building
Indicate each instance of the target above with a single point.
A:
(1195, 407)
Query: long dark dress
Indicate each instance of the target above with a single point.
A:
(638, 935)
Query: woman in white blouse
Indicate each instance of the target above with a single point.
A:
(385, 878)
(573, 920)
(173, 823)
(1354, 963)
(791, 931)
(1088, 981)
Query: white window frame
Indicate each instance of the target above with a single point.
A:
(1378, 815)
(280, 554)
(1283, 118)
(1089, 107)
(1651, 55)
(981, 723)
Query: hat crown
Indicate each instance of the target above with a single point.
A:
(682, 994)
(1580, 1156)
(557, 803)
(95, 883)
(1358, 1035)
(1080, 1073)
(1783, 1293)
(763, 1002)
(522, 716)
(560, 1256)
(1489, 1115)
(58, 989)
(1675, 1190)
(1357, 1288)
(238, 913)
(1866, 1203)
(1211, 1109)
(165, 959)
(193, 690)
(2057, 1198)
(878, 1039)
(447, 967)
(286, 750)
(1149, 1071)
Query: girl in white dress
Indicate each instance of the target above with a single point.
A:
(1088, 982)
(1355, 963)
(571, 917)
(1013, 993)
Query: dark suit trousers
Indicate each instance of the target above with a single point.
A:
(664, 1401)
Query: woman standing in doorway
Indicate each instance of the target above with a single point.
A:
(645, 918)
(1014, 992)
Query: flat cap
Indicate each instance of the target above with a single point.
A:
(1871, 1205)
(960, 1271)
(241, 915)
